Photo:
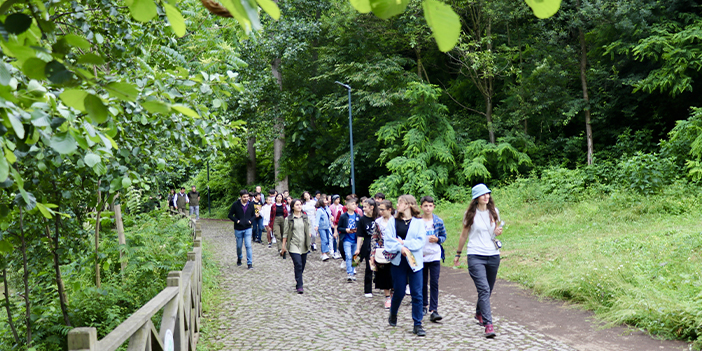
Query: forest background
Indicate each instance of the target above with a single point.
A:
(585, 124)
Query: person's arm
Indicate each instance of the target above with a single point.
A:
(390, 238)
(461, 245)
(175, 200)
(286, 232)
(343, 224)
(232, 214)
(317, 217)
(440, 230)
(251, 214)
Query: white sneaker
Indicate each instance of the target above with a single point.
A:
(337, 255)
(342, 265)
(354, 276)
(325, 257)
(349, 278)
(354, 271)
(273, 240)
(407, 290)
(369, 295)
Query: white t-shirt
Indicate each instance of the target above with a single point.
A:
(311, 211)
(266, 214)
(432, 251)
(480, 235)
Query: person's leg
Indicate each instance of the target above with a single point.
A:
(425, 279)
(268, 233)
(303, 261)
(297, 264)
(260, 230)
(415, 283)
(239, 240)
(435, 272)
(368, 279)
(349, 256)
(279, 223)
(336, 248)
(399, 278)
(192, 210)
(493, 264)
(323, 235)
(476, 268)
(197, 212)
(247, 242)
(254, 227)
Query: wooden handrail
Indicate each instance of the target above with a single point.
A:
(181, 302)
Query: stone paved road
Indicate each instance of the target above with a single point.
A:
(261, 311)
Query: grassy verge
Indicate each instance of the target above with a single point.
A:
(629, 258)
(211, 300)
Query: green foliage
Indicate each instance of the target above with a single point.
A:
(647, 173)
(421, 148)
(479, 157)
(685, 143)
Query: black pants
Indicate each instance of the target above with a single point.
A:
(368, 279)
(483, 270)
(299, 262)
(433, 270)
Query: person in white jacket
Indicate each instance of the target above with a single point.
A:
(308, 206)
(266, 214)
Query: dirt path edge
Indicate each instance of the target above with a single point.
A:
(564, 322)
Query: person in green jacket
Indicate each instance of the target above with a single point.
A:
(296, 240)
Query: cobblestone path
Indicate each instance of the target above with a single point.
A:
(261, 311)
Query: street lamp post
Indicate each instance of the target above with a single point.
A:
(353, 178)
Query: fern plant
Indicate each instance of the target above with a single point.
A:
(420, 152)
(483, 160)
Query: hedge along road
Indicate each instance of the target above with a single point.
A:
(260, 310)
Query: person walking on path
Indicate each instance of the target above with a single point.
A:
(480, 228)
(366, 228)
(258, 221)
(266, 218)
(179, 201)
(323, 222)
(297, 241)
(279, 211)
(309, 206)
(194, 202)
(348, 225)
(336, 212)
(405, 237)
(383, 277)
(171, 196)
(433, 255)
(242, 213)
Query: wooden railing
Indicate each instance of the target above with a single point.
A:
(181, 302)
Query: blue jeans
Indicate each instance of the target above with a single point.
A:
(349, 250)
(483, 270)
(400, 275)
(257, 227)
(245, 236)
(326, 236)
(196, 211)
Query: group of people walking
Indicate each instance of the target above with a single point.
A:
(402, 247)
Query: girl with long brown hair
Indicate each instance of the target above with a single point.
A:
(404, 236)
(481, 224)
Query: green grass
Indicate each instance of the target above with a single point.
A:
(211, 300)
(631, 259)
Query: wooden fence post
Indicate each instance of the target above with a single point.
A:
(82, 339)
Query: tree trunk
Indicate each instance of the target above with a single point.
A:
(120, 234)
(251, 161)
(25, 278)
(98, 209)
(7, 306)
(583, 80)
(279, 142)
(489, 89)
(57, 270)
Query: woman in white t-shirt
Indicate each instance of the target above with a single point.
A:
(481, 224)
(308, 206)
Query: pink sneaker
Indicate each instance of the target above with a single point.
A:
(489, 331)
(479, 318)
(388, 302)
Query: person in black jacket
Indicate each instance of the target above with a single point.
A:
(242, 213)
(366, 228)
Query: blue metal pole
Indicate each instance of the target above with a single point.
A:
(353, 178)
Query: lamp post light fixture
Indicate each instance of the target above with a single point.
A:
(353, 178)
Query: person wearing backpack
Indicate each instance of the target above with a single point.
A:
(433, 255)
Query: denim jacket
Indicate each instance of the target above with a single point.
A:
(414, 241)
(440, 232)
(322, 218)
